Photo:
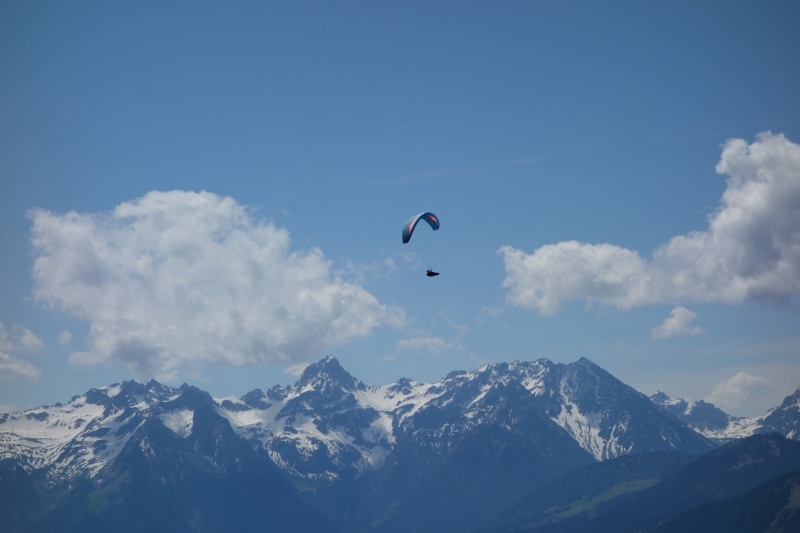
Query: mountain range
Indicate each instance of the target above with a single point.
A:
(712, 422)
(332, 453)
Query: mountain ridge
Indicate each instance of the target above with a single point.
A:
(718, 426)
(374, 459)
(331, 426)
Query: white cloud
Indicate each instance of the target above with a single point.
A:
(435, 345)
(64, 338)
(555, 273)
(378, 269)
(296, 370)
(677, 324)
(28, 342)
(750, 250)
(737, 392)
(18, 367)
(176, 278)
(11, 366)
(488, 311)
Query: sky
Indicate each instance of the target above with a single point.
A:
(214, 193)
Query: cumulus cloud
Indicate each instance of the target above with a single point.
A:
(739, 391)
(677, 324)
(12, 366)
(558, 272)
(750, 250)
(435, 345)
(176, 278)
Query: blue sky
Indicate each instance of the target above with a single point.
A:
(212, 194)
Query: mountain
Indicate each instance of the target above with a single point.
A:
(453, 453)
(20, 501)
(716, 425)
(720, 475)
(585, 489)
(770, 507)
(636, 504)
(517, 447)
(448, 455)
(137, 457)
(703, 417)
(331, 427)
(81, 437)
(784, 419)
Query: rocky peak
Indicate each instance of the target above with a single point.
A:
(699, 415)
(706, 415)
(329, 371)
(676, 406)
(792, 400)
(786, 418)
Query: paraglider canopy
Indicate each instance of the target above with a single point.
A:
(411, 223)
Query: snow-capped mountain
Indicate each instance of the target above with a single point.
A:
(705, 418)
(81, 437)
(330, 426)
(377, 459)
(715, 424)
(135, 457)
(784, 419)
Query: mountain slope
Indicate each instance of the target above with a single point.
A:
(784, 419)
(772, 507)
(610, 419)
(20, 499)
(583, 490)
(499, 461)
(81, 437)
(181, 469)
(717, 476)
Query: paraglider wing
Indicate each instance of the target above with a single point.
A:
(411, 223)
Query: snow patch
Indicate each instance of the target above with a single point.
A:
(180, 422)
(585, 429)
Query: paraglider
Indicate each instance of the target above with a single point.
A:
(411, 223)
